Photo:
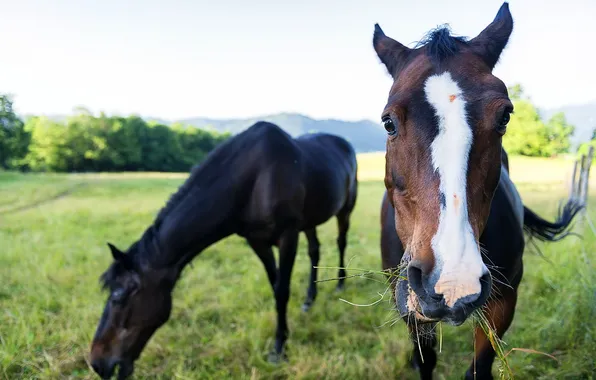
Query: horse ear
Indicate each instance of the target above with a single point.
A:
(489, 44)
(116, 253)
(392, 53)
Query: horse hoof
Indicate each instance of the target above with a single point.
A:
(470, 376)
(413, 363)
(306, 306)
(277, 358)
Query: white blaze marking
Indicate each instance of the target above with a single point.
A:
(457, 256)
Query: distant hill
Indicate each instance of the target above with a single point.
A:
(583, 116)
(364, 135)
(367, 136)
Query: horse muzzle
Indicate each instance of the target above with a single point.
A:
(106, 368)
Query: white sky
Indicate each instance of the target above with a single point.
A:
(226, 59)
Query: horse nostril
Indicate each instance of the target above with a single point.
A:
(485, 287)
(96, 367)
(485, 280)
(431, 304)
(415, 278)
(104, 368)
(418, 283)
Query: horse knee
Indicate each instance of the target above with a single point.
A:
(282, 294)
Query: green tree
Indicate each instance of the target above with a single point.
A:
(528, 135)
(14, 139)
(515, 92)
(559, 134)
(123, 151)
(48, 150)
(196, 143)
(85, 142)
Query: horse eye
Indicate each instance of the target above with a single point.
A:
(118, 295)
(389, 126)
(502, 126)
(506, 118)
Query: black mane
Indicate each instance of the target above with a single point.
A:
(137, 252)
(225, 155)
(440, 44)
(108, 278)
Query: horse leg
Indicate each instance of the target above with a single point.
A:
(265, 253)
(424, 357)
(499, 313)
(313, 252)
(287, 255)
(343, 224)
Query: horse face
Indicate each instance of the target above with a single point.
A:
(445, 117)
(139, 303)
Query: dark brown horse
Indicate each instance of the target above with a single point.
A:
(452, 221)
(261, 184)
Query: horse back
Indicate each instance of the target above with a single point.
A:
(302, 181)
(272, 185)
(330, 176)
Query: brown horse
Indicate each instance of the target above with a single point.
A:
(452, 221)
(261, 184)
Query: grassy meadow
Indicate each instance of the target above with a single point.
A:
(53, 233)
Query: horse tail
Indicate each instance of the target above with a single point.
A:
(544, 230)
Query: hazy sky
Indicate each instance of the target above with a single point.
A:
(226, 59)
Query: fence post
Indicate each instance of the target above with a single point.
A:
(573, 185)
(586, 181)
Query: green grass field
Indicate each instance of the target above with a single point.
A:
(53, 233)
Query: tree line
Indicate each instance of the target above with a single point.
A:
(86, 143)
(529, 135)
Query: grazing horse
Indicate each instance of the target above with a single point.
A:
(261, 184)
(452, 221)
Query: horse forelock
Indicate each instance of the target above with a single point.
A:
(440, 45)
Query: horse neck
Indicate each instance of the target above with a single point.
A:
(203, 217)
(204, 210)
